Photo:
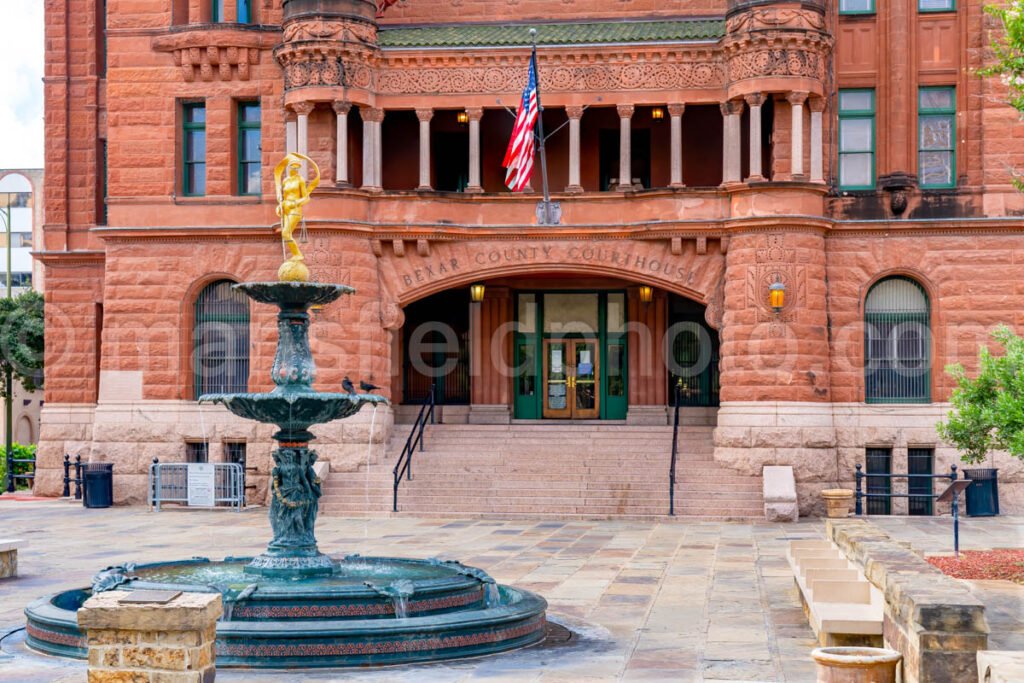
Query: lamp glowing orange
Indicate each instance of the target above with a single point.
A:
(462, 117)
(777, 296)
(476, 292)
(646, 294)
(657, 113)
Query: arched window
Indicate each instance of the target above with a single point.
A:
(221, 340)
(897, 342)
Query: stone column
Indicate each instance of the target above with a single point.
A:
(796, 102)
(754, 101)
(625, 147)
(475, 114)
(147, 641)
(675, 112)
(371, 147)
(574, 113)
(303, 110)
(290, 132)
(341, 110)
(424, 116)
(817, 106)
(731, 111)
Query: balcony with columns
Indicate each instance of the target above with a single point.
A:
(647, 162)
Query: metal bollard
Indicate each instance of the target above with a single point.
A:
(67, 476)
(78, 477)
(858, 505)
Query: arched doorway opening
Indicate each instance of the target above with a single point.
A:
(557, 347)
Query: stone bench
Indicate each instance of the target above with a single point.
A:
(780, 504)
(9, 557)
(841, 604)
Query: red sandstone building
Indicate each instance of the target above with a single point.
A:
(700, 152)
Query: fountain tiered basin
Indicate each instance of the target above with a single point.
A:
(370, 611)
(294, 606)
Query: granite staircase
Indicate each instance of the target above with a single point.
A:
(549, 470)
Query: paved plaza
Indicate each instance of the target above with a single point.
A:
(694, 601)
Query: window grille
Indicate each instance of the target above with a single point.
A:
(897, 342)
(197, 451)
(920, 461)
(221, 340)
(879, 461)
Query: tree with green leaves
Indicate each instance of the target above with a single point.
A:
(988, 409)
(1008, 49)
(21, 352)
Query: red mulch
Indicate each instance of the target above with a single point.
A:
(1007, 565)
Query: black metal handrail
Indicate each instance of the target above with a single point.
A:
(404, 465)
(675, 452)
(860, 495)
(11, 475)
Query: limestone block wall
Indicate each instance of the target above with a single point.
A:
(824, 443)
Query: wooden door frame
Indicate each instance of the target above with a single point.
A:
(595, 344)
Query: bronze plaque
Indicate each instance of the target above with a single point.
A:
(149, 597)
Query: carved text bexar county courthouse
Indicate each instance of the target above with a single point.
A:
(700, 152)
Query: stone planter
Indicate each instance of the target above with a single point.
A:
(837, 502)
(856, 664)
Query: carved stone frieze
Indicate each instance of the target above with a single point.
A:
(325, 29)
(763, 62)
(776, 18)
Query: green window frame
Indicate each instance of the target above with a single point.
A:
(220, 340)
(897, 342)
(857, 138)
(926, 6)
(193, 149)
(249, 149)
(936, 137)
(216, 11)
(244, 13)
(856, 7)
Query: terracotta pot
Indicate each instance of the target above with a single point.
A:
(837, 502)
(856, 664)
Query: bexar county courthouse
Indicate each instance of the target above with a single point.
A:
(699, 151)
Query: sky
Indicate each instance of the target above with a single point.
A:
(21, 84)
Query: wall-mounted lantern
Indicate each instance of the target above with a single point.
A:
(462, 117)
(657, 113)
(777, 296)
(476, 292)
(646, 294)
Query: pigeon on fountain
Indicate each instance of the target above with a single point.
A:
(347, 385)
(367, 387)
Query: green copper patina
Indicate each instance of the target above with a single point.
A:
(293, 406)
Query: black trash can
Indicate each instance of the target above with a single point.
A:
(98, 484)
(983, 493)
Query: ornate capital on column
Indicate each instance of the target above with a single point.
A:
(817, 104)
(302, 108)
(754, 99)
(424, 114)
(371, 114)
(731, 107)
(676, 109)
(574, 111)
(796, 98)
(341, 108)
(625, 111)
(474, 113)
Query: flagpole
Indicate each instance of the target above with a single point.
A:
(540, 129)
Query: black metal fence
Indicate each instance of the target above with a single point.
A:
(19, 469)
(879, 493)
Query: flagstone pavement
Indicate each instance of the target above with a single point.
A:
(676, 601)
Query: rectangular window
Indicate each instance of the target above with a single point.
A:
(234, 452)
(878, 462)
(856, 139)
(936, 126)
(216, 10)
(197, 451)
(244, 14)
(920, 461)
(936, 5)
(856, 6)
(193, 145)
(249, 148)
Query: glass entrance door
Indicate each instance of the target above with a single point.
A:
(571, 379)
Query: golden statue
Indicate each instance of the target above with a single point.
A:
(292, 194)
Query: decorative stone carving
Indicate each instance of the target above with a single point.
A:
(228, 53)
(322, 29)
(776, 263)
(775, 18)
(776, 62)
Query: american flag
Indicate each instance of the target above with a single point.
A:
(519, 155)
